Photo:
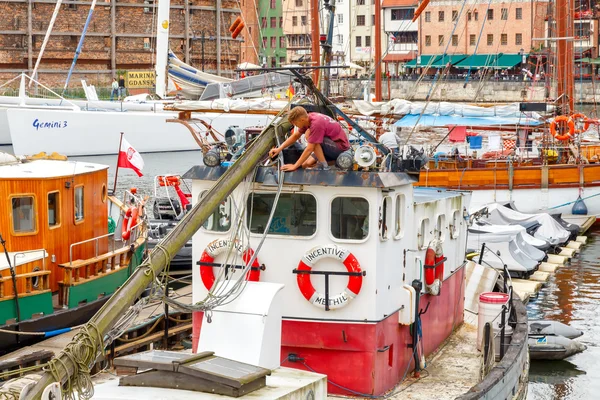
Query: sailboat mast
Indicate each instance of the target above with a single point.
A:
(565, 12)
(316, 30)
(378, 29)
(162, 46)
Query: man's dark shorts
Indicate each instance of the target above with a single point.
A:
(330, 149)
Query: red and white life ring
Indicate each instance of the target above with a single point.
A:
(129, 221)
(434, 272)
(337, 253)
(216, 247)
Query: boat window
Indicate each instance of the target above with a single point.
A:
(454, 225)
(103, 194)
(385, 218)
(79, 204)
(220, 219)
(23, 214)
(350, 218)
(440, 227)
(422, 235)
(295, 215)
(54, 209)
(400, 206)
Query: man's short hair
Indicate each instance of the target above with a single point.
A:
(296, 113)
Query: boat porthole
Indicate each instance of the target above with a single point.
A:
(103, 194)
(35, 281)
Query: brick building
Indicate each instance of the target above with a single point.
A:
(297, 26)
(121, 37)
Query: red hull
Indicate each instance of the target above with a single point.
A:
(368, 358)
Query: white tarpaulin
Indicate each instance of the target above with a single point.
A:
(232, 105)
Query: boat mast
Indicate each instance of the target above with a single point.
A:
(324, 84)
(378, 29)
(45, 42)
(162, 46)
(565, 13)
(315, 38)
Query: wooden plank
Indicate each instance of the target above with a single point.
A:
(153, 338)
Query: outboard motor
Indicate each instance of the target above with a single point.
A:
(165, 208)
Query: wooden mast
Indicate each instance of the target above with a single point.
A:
(378, 29)
(315, 38)
(565, 13)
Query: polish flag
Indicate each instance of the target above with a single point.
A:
(130, 158)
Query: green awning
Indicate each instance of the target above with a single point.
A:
(508, 61)
(424, 61)
(588, 60)
(477, 61)
(443, 61)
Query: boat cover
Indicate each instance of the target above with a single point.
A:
(232, 105)
(511, 230)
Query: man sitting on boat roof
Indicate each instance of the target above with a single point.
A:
(325, 137)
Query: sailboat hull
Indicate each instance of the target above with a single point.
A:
(79, 133)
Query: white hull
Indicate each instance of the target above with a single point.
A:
(80, 133)
(536, 200)
(4, 131)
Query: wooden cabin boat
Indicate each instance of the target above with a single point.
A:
(64, 255)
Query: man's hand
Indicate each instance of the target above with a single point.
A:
(274, 152)
(289, 167)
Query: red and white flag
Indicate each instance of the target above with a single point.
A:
(130, 158)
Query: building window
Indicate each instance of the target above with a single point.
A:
(427, 40)
(273, 2)
(440, 40)
(263, 22)
(350, 218)
(146, 43)
(147, 9)
(273, 22)
(519, 13)
(504, 39)
(23, 215)
(427, 16)
(264, 40)
(454, 15)
(220, 218)
(79, 204)
(367, 41)
(340, 39)
(54, 209)
(440, 16)
(360, 2)
(281, 61)
(490, 15)
(518, 38)
(490, 39)
(273, 42)
(504, 14)
(294, 21)
(359, 41)
(373, 19)
(360, 20)
(385, 218)
(476, 15)
(282, 41)
(281, 22)
(298, 3)
(340, 18)
(454, 40)
(303, 20)
(403, 14)
(472, 40)
(295, 214)
(469, 16)
(400, 207)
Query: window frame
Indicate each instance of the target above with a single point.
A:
(36, 229)
(399, 215)
(363, 240)
(472, 40)
(59, 224)
(490, 39)
(503, 39)
(292, 237)
(518, 36)
(442, 229)
(490, 14)
(427, 16)
(441, 16)
(232, 216)
(423, 237)
(454, 231)
(454, 40)
(504, 14)
(82, 220)
(389, 217)
(427, 40)
(518, 13)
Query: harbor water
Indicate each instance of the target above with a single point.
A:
(572, 295)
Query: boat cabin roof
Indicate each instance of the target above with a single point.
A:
(332, 177)
(425, 194)
(47, 169)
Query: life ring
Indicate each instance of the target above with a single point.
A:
(168, 180)
(129, 221)
(434, 267)
(216, 247)
(570, 125)
(337, 253)
(586, 122)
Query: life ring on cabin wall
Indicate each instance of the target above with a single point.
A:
(129, 221)
(434, 267)
(219, 246)
(570, 125)
(586, 122)
(310, 258)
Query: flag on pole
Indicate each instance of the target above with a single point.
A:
(130, 158)
(290, 92)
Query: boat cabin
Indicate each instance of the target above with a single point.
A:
(350, 248)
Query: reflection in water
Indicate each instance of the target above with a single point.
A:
(572, 297)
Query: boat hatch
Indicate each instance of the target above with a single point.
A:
(174, 370)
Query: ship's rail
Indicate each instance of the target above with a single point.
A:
(43, 284)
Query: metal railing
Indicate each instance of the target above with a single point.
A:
(95, 239)
(23, 253)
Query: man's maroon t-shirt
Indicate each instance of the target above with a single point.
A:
(322, 126)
